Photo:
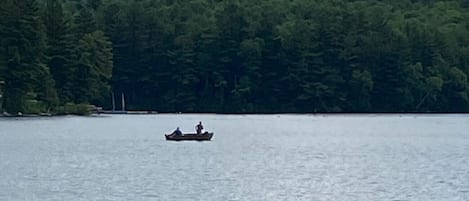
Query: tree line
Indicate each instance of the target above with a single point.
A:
(236, 56)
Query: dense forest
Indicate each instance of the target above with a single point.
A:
(235, 56)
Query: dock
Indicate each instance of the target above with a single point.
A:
(126, 112)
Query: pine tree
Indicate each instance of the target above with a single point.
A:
(28, 84)
(60, 48)
(85, 22)
(94, 69)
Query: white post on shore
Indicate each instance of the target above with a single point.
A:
(1, 96)
(123, 102)
(113, 102)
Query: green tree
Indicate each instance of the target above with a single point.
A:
(455, 90)
(60, 48)
(28, 84)
(94, 69)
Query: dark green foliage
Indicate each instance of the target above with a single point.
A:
(93, 69)
(27, 78)
(60, 50)
(75, 109)
(237, 55)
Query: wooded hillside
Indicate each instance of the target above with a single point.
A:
(236, 56)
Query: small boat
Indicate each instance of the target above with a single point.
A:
(190, 136)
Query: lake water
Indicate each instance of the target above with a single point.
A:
(251, 157)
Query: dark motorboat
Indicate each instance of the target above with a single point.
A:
(191, 136)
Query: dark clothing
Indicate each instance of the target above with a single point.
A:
(199, 128)
(177, 132)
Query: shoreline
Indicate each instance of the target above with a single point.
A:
(139, 112)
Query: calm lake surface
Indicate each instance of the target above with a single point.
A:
(251, 157)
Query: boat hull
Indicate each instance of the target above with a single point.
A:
(190, 137)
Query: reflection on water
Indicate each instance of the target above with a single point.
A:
(251, 157)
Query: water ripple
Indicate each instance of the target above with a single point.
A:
(254, 157)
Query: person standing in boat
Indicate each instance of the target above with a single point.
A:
(199, 128)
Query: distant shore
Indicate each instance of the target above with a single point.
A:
(143, 112)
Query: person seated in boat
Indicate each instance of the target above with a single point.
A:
(177, 132)
(199, 128)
